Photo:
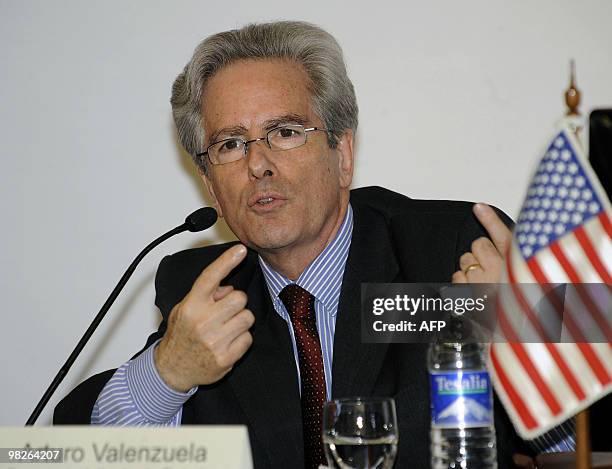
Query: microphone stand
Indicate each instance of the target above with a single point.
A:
(61, 374)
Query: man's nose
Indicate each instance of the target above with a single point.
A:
(258, 159)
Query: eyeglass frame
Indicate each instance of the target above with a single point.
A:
(246, 143)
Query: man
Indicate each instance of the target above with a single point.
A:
(263, 336)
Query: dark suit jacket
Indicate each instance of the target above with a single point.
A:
(395, 239)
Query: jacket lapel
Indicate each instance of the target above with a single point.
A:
(371, 259)
(265, 383)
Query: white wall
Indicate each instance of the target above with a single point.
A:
(456, 100)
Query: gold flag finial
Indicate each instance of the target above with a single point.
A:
(572, 94)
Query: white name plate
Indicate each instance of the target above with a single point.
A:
(88, 447)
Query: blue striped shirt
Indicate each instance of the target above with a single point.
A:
(322, 279)
(137, 395)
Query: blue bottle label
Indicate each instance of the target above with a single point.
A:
(461, 399)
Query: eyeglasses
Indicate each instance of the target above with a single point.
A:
(281, 138)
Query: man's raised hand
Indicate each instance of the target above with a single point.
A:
(208, 331)
(484, 263)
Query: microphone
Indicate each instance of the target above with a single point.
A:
(199, 220)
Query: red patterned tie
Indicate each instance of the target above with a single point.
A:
(300, 306)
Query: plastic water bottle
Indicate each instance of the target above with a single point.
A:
(462, 429)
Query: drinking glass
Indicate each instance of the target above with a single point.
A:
(360, 433)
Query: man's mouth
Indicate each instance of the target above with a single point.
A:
(265, 200)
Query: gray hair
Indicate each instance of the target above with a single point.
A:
(332, 93)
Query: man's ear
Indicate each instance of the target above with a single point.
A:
(345, 158)
(209, 187)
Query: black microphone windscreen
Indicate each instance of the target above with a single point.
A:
(201, 219)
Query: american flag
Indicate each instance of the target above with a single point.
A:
(563, 235)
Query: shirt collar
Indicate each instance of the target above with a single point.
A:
(323, 276)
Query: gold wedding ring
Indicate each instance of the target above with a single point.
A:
(472, 267)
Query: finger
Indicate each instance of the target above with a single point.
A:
(208, 281)
(233, 303)
(498, 231)
(486, 254)
(239, 346)
(466, 260)
(477, 276)
(222, 292)
(236, 326)
(459, 277)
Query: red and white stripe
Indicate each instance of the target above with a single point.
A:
(543, 384)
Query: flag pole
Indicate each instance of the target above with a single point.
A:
(572, 94)
(583, 441)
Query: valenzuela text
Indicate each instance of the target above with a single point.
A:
(122, 453)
